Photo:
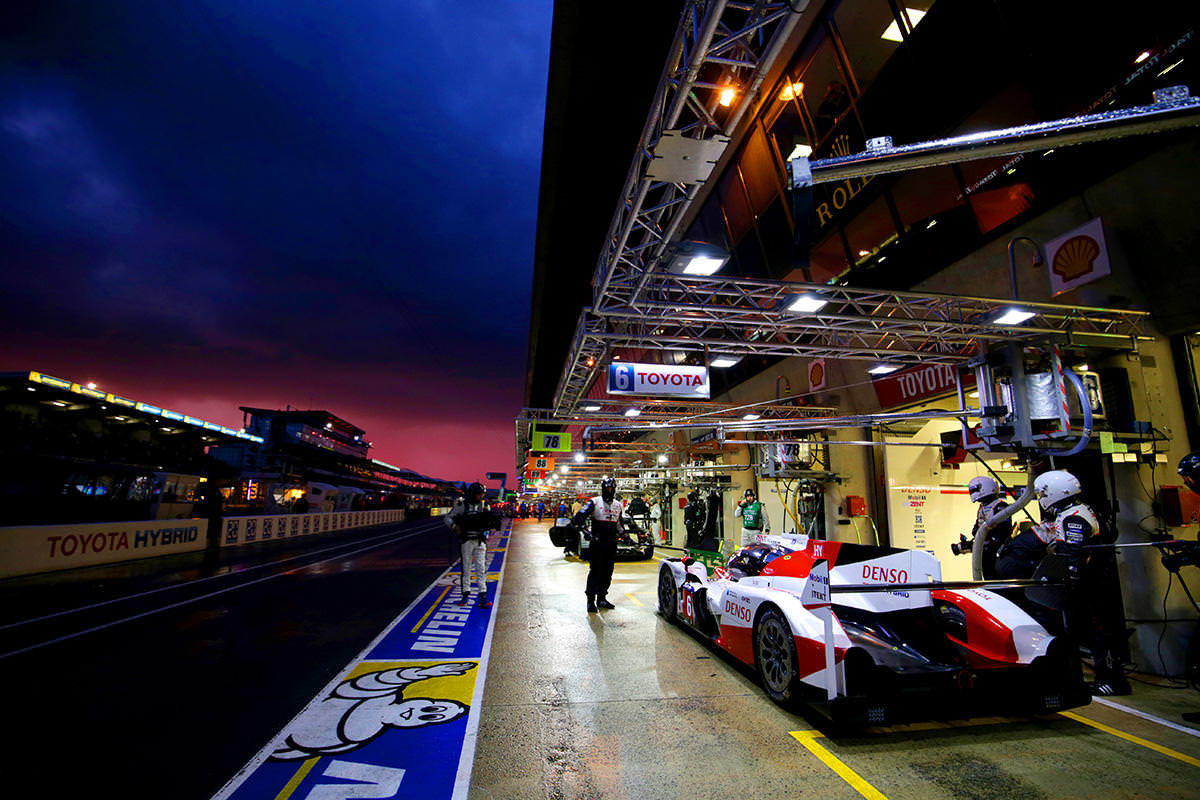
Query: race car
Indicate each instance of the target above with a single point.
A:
(870, 635)
(632, 543)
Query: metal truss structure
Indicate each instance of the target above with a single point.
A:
(722, 53)
(722, 47)
(740, 316)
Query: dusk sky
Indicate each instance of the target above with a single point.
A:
(213, 203)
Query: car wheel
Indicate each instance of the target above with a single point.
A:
(775, 657)
(648, 552)
(668, 594)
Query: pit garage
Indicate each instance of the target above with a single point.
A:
(818, 316)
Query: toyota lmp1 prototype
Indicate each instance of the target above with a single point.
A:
(847, 629)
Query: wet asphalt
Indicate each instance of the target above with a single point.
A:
(162, 678)
(622, 704)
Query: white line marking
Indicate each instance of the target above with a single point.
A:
(218, 592)
(1164, 722)
(466, 762)
(148, 592)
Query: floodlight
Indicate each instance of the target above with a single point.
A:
(632, 412)
(703, 265)
(720, 362)
(1013, 316)
(579, 458)
(696, 258)
(807, 303)
(751, 417)
(892, 32)
(662, 458)
(882, 369)
(591, 407)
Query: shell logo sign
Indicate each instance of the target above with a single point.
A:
(1078, 257)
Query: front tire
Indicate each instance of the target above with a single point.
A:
(648, 552)
(776, 659)
(668, 594)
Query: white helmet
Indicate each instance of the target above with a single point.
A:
(1055, 486)
(981, 488)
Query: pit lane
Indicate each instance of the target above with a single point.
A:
(622, 704)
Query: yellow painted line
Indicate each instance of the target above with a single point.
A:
(809, 740)
(436, 603)
(291, 785)
(634, 599)
(1158, 748)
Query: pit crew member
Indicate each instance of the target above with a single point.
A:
(605, 512)
(472, 521)
(1068, 524)
(754, 518)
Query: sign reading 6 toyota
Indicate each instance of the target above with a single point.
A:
(658, 379)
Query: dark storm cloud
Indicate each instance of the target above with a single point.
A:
(344, 183)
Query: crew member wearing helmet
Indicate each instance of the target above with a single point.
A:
(695, 517)
(1068, 524)
(472, 521)
(1004, 556)
(605, 512)
(754, 518)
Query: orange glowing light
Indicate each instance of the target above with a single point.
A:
(791, 90)
(726, 96)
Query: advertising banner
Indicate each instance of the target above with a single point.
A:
(42, 548)
(659, 380)
(816, 375)
(915, 384)
(1078, 257)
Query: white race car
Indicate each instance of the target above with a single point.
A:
(871, 635)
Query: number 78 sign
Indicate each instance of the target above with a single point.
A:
(550, 442)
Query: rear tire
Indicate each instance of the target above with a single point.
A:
(776, 659)
(648, 552)
(668, 594)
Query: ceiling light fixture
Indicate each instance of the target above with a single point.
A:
(882, 369)
(632, 412)
(1013, 316)
(721, 362)
(892, 32)
(807, 303)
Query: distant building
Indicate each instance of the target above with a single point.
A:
(73, 452)
(313, 460)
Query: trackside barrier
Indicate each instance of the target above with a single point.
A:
(247, 530)
(30, 549)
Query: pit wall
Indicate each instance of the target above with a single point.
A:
(31, 549)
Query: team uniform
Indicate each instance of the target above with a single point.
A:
(754, 520)
(473, 548)
(605, 516)
(1094, 617)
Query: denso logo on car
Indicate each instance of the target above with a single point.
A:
(876, 574)
(736, 610)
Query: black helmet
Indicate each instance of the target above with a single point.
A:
(474, 489)
(1189, 470)
(608, 488)
(693, 495)
(748, 493)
